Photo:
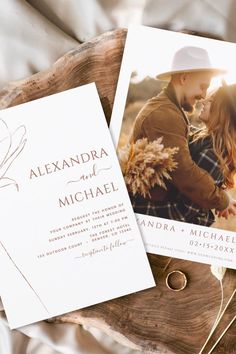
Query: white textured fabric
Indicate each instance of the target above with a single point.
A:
(85, 19)
(197, 15)
(33, 35)
(14, 342)
(29, 42)
(48, 338)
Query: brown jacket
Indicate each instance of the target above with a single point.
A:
(163, 117)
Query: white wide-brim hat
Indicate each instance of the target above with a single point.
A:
(190, 59)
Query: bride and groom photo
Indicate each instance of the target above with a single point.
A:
(193, 178)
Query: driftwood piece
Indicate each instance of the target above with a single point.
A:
(161, 321)
(95, 61)
(156, 320)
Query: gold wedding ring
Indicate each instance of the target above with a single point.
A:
(183, 280)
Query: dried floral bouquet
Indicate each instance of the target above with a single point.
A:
(146, 164)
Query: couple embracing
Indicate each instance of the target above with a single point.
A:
(206, 158)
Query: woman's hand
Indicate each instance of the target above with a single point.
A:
(230, 210)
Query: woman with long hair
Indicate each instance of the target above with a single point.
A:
(213, 148)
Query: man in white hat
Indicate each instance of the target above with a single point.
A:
(190, 75)
(163, 116)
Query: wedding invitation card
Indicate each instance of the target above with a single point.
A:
(174, 127)
(69, 237)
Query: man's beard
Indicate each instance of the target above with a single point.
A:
(187, 106)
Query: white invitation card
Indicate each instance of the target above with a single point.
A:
(69, 237)
(178, 156)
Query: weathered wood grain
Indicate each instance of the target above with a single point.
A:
(161, 321)
(95, 61)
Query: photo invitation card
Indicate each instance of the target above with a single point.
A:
(69, 237)
(174, 127)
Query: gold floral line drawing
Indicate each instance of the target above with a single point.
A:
(11, 145)
(95, 172)
(24, 277)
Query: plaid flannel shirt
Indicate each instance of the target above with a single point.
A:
(180, 208)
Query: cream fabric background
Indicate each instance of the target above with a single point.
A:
(33, 35)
